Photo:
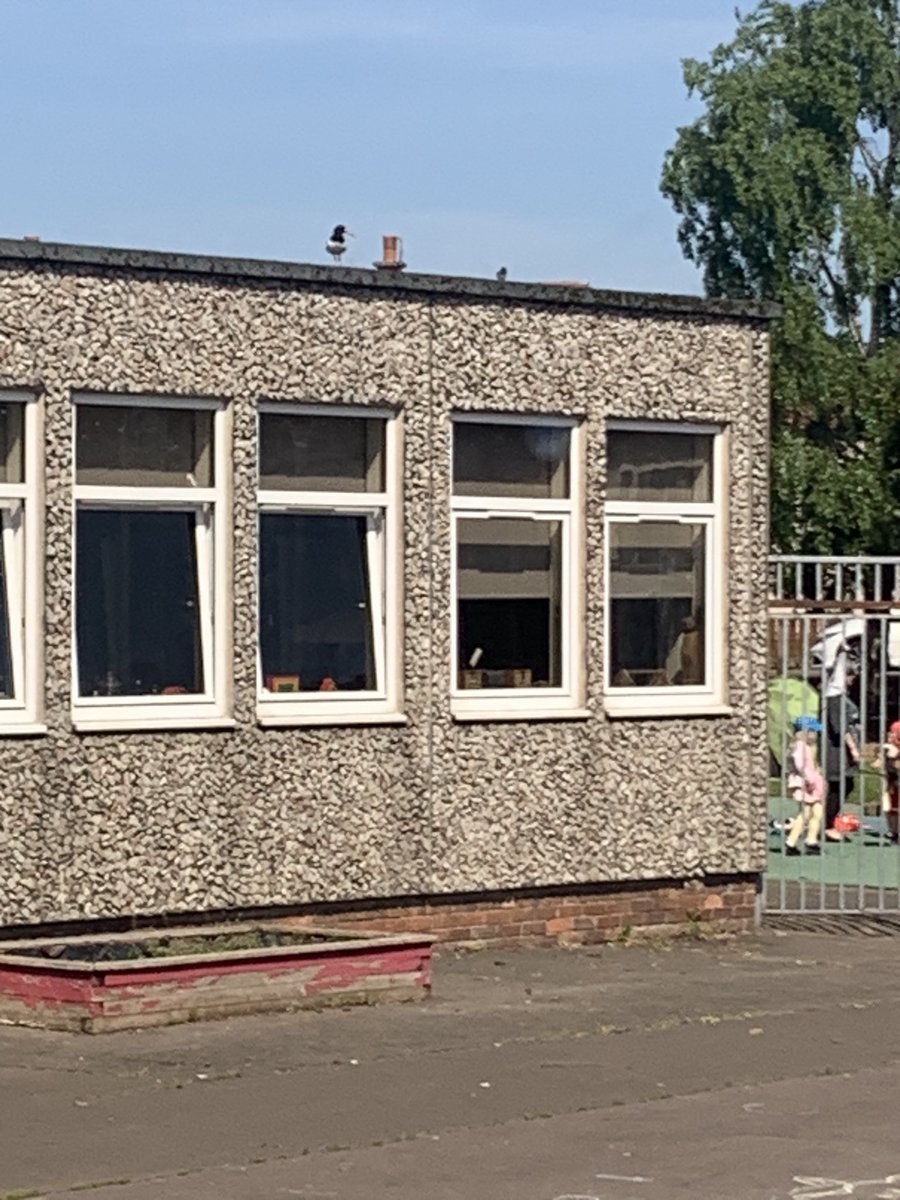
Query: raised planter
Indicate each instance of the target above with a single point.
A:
(164, 976)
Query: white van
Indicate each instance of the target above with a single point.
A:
(861, 637)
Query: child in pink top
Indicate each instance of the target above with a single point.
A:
(807, 784)
(889, 764)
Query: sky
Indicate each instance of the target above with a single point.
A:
(522, 133)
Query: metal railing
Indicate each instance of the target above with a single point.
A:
(834, 656)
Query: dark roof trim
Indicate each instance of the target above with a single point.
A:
(211, 267)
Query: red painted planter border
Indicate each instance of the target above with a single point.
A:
(360, 968)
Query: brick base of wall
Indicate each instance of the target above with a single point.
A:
(561, 917)
(555, 916)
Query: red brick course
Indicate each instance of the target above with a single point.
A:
(563, 916)
(540, 918)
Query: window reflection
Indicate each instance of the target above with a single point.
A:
(316, 602)
(670, 467)
(136, 446)
(510, 460)
(137, 603)
(11, 443)
(509, 577)
(658, 601)
(7, 689)
(311, 453)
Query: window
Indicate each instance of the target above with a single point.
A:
(515, 550)
(150, 589)
(328, 565)
(20, 564)
(664, 525)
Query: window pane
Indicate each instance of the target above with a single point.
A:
(658, 602)
(7, 685)
(509, 579)
(144, 447)
(315, 603)
(510, 460)
(330, 454)
(11, 443)
(137, 604)
(659, 466)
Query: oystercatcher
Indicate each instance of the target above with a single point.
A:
(337, 243)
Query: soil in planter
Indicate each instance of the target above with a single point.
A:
(162, 946)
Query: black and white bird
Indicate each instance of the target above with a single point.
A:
(337, 243)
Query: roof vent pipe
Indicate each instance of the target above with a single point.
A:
(391, 253)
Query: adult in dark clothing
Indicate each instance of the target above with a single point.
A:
(842, 753)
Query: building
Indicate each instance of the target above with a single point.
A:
(438, 600)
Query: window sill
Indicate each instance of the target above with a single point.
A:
(22, 729)
(471, 715)
(84, 723)
(650, 711)
(286, 720)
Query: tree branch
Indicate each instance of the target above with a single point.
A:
(841, 302)
(873, 165)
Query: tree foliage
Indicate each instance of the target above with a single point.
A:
(788, 189)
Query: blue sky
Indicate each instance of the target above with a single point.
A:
(528, 133)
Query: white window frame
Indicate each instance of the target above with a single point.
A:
(212, 508)
(522, 704)
(675, 700)
(382, 510)
(21, 528)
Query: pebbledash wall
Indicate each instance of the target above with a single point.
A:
(485, 828)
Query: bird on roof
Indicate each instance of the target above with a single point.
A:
(337, 243)
(501, 275)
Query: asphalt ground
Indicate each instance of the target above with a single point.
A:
(748, 1069)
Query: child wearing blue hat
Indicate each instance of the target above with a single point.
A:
(807, 784)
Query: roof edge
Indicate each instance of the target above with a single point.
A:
(27, 253)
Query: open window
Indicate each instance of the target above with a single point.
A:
(328, 565)
(150, 615)
(515, 553)
(20, 564)
(665, 523)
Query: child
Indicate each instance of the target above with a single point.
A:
(807, 784)
(889, 764)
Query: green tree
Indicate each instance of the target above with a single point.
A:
(788, 189)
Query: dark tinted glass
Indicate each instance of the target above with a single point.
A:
(134, 446)
(137, 604)
(659, 466)
(11, 465)
(6, 675)
(329, 453)
(510, 460)
(315, 603)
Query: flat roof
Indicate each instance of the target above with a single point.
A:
(27, 253)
